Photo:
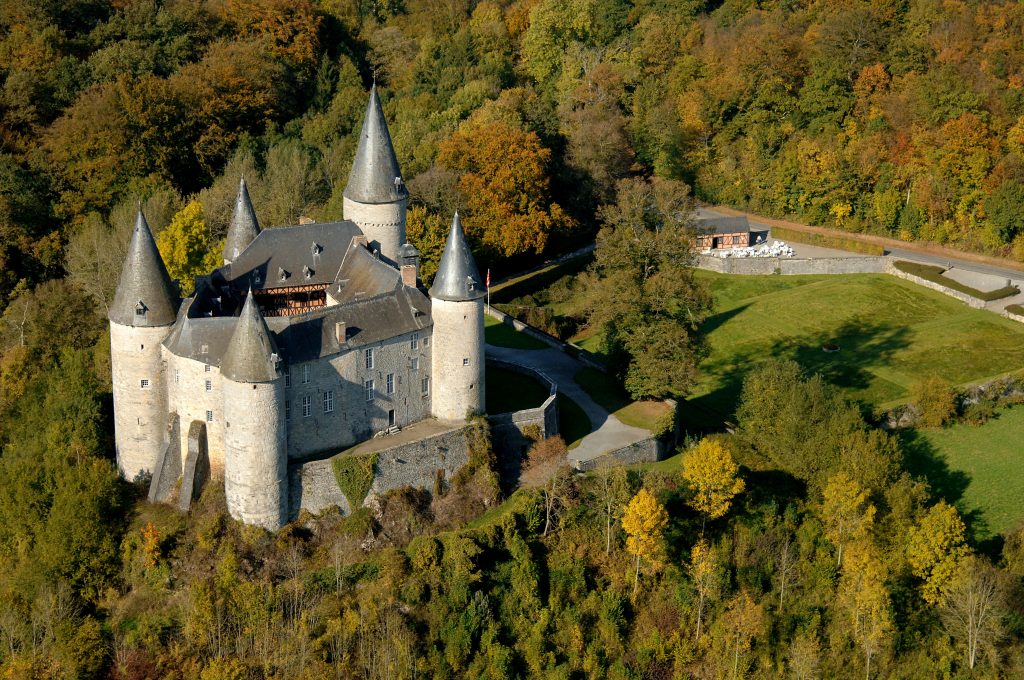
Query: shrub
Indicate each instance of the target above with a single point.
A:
(980, 412)
(1015, 309)
(354, 475)
(936, 399)
(934, 274)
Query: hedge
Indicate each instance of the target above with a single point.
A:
(837, 242)
(1015, 309)
(934, 274)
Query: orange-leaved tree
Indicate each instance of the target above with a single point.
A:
(504, 187)
(644, 521)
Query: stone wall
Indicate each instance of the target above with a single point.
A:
(383, 224)
(189, 398)
(649, 450)
(976, 303)
(575, 351)
(314, 488)
(511, 432)
(1014, 317)
(791, 266)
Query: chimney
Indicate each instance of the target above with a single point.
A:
(409, 275)
(410, 267)
(361, 240)
(341, 332)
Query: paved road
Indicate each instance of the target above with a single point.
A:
(608, 432)
(1015, 276)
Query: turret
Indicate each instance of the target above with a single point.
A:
(244, 227)
(375, 197)
(457, 308)
(255, 449)
(141, 316)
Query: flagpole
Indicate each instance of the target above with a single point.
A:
(488, 286)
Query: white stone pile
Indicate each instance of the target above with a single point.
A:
(776, 249)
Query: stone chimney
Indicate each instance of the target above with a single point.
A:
(409, 261)
(341, 332)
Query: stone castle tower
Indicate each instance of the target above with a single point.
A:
(255, 435)
(375, 197)
(141, 316)
(457, 307)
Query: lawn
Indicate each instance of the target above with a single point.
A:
(976, 468)
(890, 332)
(509, 391)
(603, 389)
(501, 335)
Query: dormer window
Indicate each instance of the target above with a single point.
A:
(256, 277)
(307, 272)
(316, 249)
(282, 274)
(398, 182)
(140, 308)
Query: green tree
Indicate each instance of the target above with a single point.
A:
(846, 512)
(936, 400)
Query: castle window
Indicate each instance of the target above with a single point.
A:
(305, 373)
(391, 383)
(307, 406)
(414, 343)
(369, 358)
(425, 386)
(465, 361)
(415, 365)
(329, 401)
(209, 386)
(209, 416)
(368, 387)
(287, 410)
(206, 368)
(426, 341)
(177, 376)
(144, 384)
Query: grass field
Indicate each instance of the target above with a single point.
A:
(976, 468)
(603, 389)
(890, 332)
(500, 335)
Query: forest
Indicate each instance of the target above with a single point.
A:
(799, 545)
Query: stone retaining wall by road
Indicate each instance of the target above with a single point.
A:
(976, 303)
(1014, 317)
(649, 450)
(573, 350)
(513, 433)
(792, 266)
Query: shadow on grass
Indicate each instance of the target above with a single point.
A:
(922, 459)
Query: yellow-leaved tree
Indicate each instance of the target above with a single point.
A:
(644, 521)
(936, 547)
(845, 512)
(187, 247)
(712, 474)
(704, 574)
(863, 594)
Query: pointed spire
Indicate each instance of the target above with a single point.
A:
(375, 176)
(251, 356)
(244, 226)
(145, 296)
(457, 277)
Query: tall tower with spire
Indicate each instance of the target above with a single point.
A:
(375, 197)
(457, 308)
(255, 434)
(244, 227)
(141, 316)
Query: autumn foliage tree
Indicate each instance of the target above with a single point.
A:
(846, 512)
(936, 549)
(711, 473)
(504, 187)
(643, 521)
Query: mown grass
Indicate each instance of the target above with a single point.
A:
(501, 335)
(1015, 309)
(603, 389)
(978, 468)
(509, 391)
(934, 274)
(837, 242)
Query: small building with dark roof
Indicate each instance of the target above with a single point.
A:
(714, 233)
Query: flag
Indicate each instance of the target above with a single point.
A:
(488, 278)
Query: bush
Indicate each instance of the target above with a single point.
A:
(980, 412)
(838, 242)
(936, 399)
(934, 274)
(1015, 309)
(354, 475)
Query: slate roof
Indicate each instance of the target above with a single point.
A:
(304, 254)
(457, 277)
(723, 225)
(144, 279)
(244, 227)
(375, 169)
(251, 356)
(203, 339)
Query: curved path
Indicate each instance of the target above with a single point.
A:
(608, 433)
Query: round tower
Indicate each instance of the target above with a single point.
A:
(255, 448)
(141, 317)
(375, 197)
(457, 349)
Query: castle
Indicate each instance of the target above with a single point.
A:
(309, 339)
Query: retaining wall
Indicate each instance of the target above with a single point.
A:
(792, 266)
(572, 350)
(313, 486)
(976, 303)
(1014, 317)
(649, 450)
(512, 433)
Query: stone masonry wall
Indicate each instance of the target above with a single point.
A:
(314, 488)
(383, 224)
(189, 398)
(1014, 317)
(344, 375)
(140, 413)
(976, 303)
(509, 430)
(788, 266)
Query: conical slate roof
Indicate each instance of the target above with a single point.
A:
(145, 285)
(244, 226)
(250, 356)
(457, 277)
(375, 169)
